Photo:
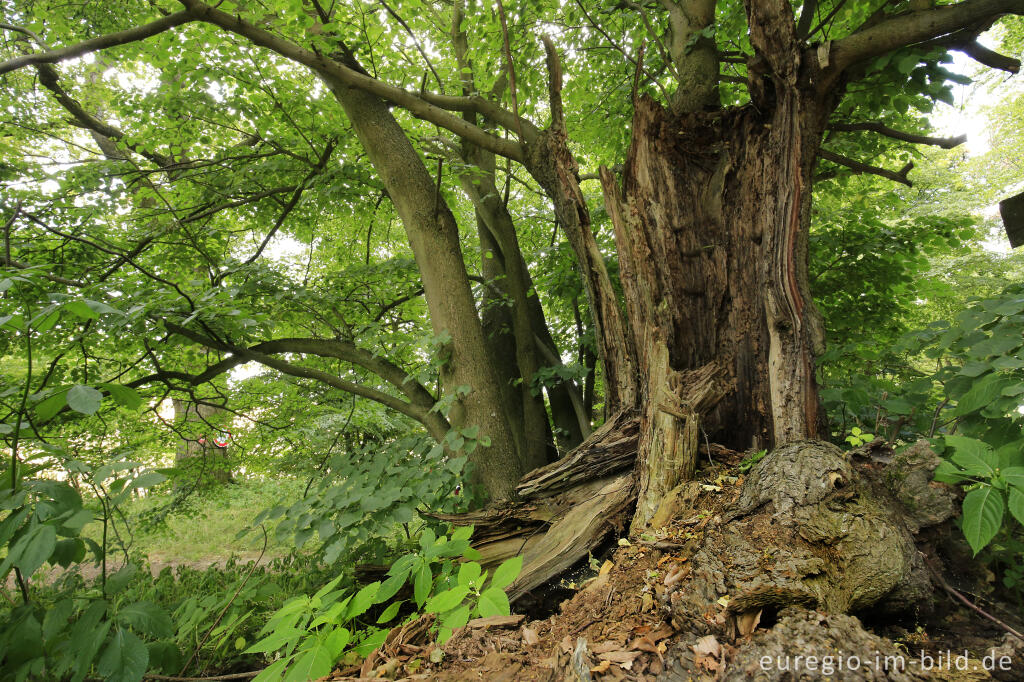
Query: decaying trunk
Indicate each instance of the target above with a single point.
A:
(710, 226)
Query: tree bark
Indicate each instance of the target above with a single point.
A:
(434, 239)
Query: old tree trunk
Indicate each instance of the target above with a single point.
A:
(711, 217)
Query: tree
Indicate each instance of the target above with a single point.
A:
(715, 333)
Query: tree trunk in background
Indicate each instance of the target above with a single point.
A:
(198, 453)
(434, 238)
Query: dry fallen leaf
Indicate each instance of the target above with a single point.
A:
(746, 623)
(530, 636)
(707, 646)
(605, 647)
(643, 644)
(724, 601)
(601, 667)
(605, 568)
(619, 657)
(646, 602)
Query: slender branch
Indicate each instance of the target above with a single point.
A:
(290, 206)
(859, 167)
(418, 407)
(130, 35)
(881, 129)
(416, 42)
(511, 70)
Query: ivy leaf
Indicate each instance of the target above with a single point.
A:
(125, 659)
(84, 399)
(983, 516)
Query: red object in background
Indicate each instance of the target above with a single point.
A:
(222, 443)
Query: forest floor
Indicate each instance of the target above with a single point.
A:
(614, 626)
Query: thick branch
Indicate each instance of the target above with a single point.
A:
(435, 423)
(944, 142)
(982, 54)
(915, 27)
(333, 71)
(130, 35)
(858, 167)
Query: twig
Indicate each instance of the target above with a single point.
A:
(231, 676)
(859, 167)
(967, 602)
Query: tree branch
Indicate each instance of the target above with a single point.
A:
(989, 58)
(130, 35)
(915, 27)
(881, 129)
(858, 167)
(420, 401)
(337, 73)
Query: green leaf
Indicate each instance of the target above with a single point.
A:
(507, 572)
(447, 600)
(422, 584)
(469, 573)
(336, 641)
(80, 309)
(363, 600)
(456, 618)
(312, 664)
(493, 602)
(1014, 476)
(48, 408)
(983, 392)
(390, 612)
(148, 618)
(124, 395)
(1016, 504)
(973, 455)
(125, 659)
(983, 516)
(34, 548)
(148, 480)
(68, 551)
(84, 399)
(275, 640)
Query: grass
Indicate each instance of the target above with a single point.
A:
(204, 529)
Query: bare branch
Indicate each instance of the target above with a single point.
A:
(944, 142)
(859, 167)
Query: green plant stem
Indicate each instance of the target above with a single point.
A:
(22, 584)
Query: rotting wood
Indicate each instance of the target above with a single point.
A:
(610, 449)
